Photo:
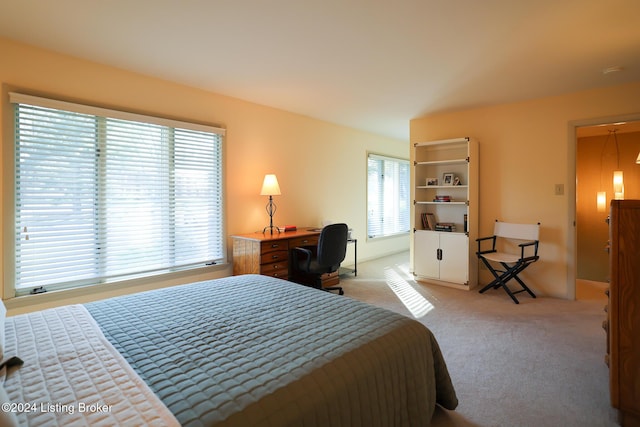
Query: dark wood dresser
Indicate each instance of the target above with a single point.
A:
(623, 311)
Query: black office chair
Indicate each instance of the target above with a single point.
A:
(317, 265)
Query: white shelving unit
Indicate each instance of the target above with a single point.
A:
(444, 251)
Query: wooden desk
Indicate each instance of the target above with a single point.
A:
(268, 254)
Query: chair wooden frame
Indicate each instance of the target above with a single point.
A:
(505, 266)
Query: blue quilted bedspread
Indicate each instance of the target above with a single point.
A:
(254, 350)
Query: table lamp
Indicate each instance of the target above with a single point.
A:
(270, 188)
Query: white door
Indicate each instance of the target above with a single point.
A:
(425, 249)
(454, 266)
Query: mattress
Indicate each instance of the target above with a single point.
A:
(255, 350)
(72, 376)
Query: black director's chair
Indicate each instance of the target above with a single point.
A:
(505, 265)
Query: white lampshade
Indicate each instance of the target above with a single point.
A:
(601, 201)
(638, 159)
(270, 186)
(618, 181)
(618, 185)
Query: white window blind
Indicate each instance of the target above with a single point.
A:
(388, 196)
(104, 195)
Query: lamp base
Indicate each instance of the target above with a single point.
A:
(271, 209)
(270, 228)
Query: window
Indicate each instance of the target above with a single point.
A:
(387, 196)
(103, 195)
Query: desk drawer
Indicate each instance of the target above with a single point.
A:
(273, 246)
(276, 269)
(304, 241)
(274, 256)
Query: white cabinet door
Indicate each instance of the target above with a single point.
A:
(425, 262)
(441, 256)
(454, 266)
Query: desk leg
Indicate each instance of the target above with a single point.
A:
(344, 270)
(355, 257)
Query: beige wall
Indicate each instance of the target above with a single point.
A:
(525, 149)
(321, 167)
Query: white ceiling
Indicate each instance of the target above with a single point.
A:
(367, 64)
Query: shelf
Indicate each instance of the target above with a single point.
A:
(442, 162)
(442, 186)
(452, 142)
(440, 231)
(421, 202)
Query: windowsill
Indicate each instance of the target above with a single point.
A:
(29, 303)
(388, 236)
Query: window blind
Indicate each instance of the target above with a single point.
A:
(388, 196)
(103, 195)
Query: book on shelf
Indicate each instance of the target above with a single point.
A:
(445, 226)
(431, 218)
(442, 198)
(428, 221)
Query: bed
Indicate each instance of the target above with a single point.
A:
(238, 351)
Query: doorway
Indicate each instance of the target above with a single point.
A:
(600, 149)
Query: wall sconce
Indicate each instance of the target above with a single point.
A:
(270, 188)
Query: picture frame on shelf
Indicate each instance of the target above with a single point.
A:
(432, 181)
(456, 181)
(447, 178)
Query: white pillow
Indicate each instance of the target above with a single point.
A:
(3, 315)
(7, 418)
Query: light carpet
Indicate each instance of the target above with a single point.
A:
(539, 363)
